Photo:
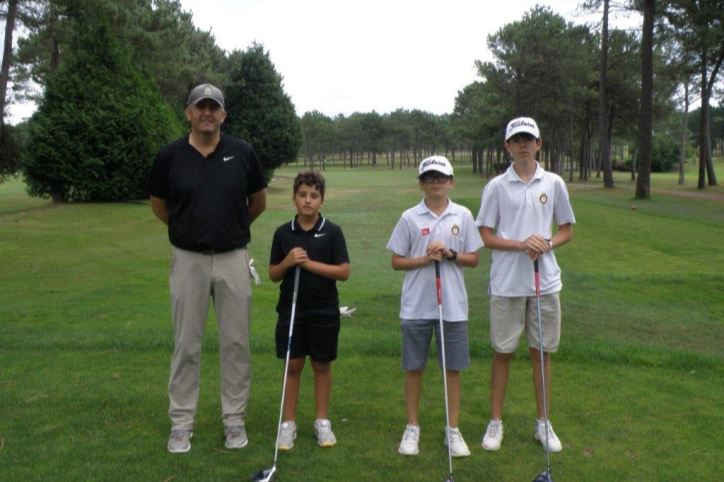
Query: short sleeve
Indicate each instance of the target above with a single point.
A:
(399, 242)
(563, 211)
(157, 185)
(489, 208)
(339, 248)
(257, 180)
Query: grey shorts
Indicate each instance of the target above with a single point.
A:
(510, 316)
(416, 335)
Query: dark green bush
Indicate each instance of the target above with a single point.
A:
(100, 123)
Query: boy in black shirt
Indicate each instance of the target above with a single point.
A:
(318, 247)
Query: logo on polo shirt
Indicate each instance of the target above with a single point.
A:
(543, 198)
(455, 229)
(425, 231)
(228, 158)
(319, 235)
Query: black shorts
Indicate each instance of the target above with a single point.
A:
(315, 336)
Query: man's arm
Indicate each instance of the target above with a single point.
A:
(158, 206)
(257, 204)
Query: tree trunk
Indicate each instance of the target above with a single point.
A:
(7, 58)
(643, 180)
(603, 114)
(684, 133)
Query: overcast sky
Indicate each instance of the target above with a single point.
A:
(342, 56)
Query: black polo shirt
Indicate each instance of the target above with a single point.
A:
(207, 197)
(324, 243)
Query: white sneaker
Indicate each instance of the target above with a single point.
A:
(287, 434)
(493, 435)
(179, 441)
(554, 445)
(235, 437)
(458, 447)
(410, 439)
(323, 430)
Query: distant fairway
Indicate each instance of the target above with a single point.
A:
(85, 345)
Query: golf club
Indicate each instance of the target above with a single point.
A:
(267, 475)
(438, 286)
(544, 476)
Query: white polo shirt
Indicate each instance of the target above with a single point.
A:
(417, 227)
(516, 211)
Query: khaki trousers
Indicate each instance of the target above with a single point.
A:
(194, 279)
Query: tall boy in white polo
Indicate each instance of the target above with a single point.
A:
(517, 211)
(436, 229)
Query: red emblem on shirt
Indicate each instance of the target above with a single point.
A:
(425, 231)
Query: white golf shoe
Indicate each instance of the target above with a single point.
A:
(323, 431)
(235, 437)
(554, 444)
(179, 441)
(287, 434)
(493, 435)
(458, 447)
(410, 440)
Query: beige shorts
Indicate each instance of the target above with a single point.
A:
(509, 316)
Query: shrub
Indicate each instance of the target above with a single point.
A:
(100, 123)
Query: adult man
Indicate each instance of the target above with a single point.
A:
(208, 188)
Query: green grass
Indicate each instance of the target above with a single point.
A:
(85, 344)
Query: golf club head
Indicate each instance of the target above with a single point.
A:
(544, 476)
(264, 475)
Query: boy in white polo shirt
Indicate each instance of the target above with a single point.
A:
(435, 229)
(517, 211)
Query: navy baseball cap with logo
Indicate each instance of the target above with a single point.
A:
(522, 125)
(205, 91)
(436, 163)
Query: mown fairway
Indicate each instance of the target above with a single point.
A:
(85, 344)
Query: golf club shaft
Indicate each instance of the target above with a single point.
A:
(286, 362)
(438, 288)
(542, 360)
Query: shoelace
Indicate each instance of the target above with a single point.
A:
(455, 436)
(410, 433)
(542, 429)
(494, 429)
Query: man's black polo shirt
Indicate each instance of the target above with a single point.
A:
(207, 197)
(324, 243)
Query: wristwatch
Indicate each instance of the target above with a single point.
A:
(453, 256)
(550, 244)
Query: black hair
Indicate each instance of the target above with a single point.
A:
(310, 178)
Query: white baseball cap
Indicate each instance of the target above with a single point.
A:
(435, 163)
(522, 124)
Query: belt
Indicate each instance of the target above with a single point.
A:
(211, 252)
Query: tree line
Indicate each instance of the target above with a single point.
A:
(584, 86)
(605, 98)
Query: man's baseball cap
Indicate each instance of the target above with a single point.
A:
(435, 163)
(205, 91)
(522, 125)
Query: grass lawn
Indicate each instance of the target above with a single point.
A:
(85, 345)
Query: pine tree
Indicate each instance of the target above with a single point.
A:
(259, 111)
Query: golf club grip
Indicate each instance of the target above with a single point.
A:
(296, 286)
(438, 284)
(537, 277)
